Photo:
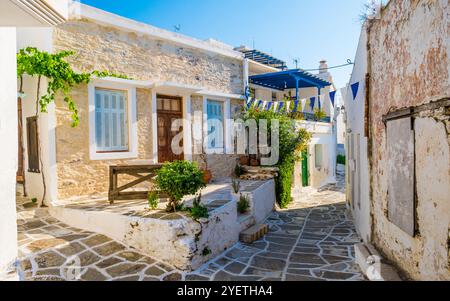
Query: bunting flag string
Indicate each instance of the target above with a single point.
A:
(314, 101)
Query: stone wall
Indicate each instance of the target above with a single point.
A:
(140, 58)
(144, 58)
(77, 174)
(409, 67)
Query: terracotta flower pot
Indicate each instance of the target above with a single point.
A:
(244, 160)
(254, 162)
(207, 176)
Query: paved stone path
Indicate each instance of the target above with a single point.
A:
(312, 240)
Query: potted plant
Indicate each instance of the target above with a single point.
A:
(244, 160)
(207, 175)
(179, 179)
(235, 189)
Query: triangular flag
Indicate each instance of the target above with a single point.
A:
(355, 88)
(295, 106)
(260, 103)
(303, 104)
(250, 102)
(269, 106)
(280, 106)
(319, 101)
(332, 97)
(312, 103)
(288, 106)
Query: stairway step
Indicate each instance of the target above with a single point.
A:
(254, 233)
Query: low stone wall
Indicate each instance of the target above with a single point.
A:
(174, 238)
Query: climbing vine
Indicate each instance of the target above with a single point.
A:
(59, 74)
(61, 78)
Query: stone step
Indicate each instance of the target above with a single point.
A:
(246, 221)
(254, 233)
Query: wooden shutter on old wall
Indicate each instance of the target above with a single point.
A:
(401, 174)
(33, 145)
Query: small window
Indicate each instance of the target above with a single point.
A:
(111, 123)
(215, 125)
(318, 154)
(33, 145)
(274, 96)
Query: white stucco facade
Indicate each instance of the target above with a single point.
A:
(8, 152)
(14, 14)
(356, 145)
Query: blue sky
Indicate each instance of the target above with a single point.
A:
(307, 30)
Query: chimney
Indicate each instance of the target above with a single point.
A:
(323, 67)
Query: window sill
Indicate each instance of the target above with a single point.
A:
(120, 155)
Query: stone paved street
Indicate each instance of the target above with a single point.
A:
(312, 240)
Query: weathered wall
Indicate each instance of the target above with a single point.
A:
(409, 50)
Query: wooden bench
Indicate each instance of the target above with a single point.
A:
(142, 173)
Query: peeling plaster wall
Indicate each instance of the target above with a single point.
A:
(409, 49)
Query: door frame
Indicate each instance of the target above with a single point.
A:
(305, 169)
(170, 114)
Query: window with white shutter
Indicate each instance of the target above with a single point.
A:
(215, 125)
(111, 123)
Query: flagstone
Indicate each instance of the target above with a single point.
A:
(87, 258)
(124, 269)
(96, 240)
(108, 262)
(268, 263)
(130, 256)
(70, 249)
(49, 259)
(235, 268)
(154, 271)
(93, 275)
(173, 277)
(109, 249)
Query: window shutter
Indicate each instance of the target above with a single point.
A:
(111, 124)
(401, 157)
(33, 145)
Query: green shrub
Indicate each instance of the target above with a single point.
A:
(238, 171)
(34, 200)
(198, 210)
(292, 143)
(179, 179)
(319, 114)
(243, 205)
(341, 159)
(153, 200)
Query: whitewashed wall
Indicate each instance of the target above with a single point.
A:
(40, 38)
(355, 112)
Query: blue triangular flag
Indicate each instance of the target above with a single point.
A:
(260, 103)
(280, 106)
(312, 103)
(250, 103)
(355, 88)
(296, 106)
(332, 97)
(269, 106)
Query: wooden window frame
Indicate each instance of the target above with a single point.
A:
(32, 165)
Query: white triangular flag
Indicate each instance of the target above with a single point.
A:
(303, 104)
(288, 106)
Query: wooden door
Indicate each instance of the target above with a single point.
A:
(169, 110)
(305, 169)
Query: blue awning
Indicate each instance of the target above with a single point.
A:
(289, 79)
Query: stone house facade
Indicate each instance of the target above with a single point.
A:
(405, 113)
(122, 120)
